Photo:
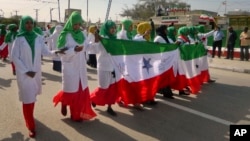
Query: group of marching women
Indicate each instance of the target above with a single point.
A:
(68, 46)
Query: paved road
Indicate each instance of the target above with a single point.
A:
(203, 117)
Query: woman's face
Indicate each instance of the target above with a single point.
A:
(130, 28)
(76, 26)
(29, 25)
(112, 30)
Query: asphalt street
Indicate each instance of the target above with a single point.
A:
(202, 117)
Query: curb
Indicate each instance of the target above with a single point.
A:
(233, 69)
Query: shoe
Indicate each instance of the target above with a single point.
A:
(93, 104)
(151, 102)
(211, 81)
(111, 111)
(76, 120)
(32, 133)
(168, 96)
(64, 110)
(138, 107)
(182, 92)
(121, 103)
(14, 72)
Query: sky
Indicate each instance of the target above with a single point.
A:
(97, 8)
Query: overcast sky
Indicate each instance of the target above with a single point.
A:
(98, 8)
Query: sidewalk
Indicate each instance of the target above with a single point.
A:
(231, 65)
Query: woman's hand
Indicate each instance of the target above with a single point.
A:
(78, 48)
(31, 74)
(97, 37)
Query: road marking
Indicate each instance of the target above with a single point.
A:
(204, 115)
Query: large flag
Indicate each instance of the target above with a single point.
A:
(142, 68)
(192, 68)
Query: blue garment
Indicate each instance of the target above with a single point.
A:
(218, 35)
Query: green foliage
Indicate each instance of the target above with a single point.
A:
(7, 21)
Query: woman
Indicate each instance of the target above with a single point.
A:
(91, 38)
(52, 42)
(75, 91)
(192, 36)
(4, 52)
(203, 37)
(171, 34)
(26, 55)
(105, 70)
(126, 32)
(162, 38)
(143, 32)
(9, 39)
(183, 39)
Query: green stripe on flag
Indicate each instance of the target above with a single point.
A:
(127, 47)
(189, 52)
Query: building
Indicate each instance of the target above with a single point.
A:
(238, 19)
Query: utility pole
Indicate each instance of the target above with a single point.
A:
(16, 12)
(59, 11)
(36, 14)
(108, 10)
(225, 7)
(87, 12)
(68, 4)
(51, 9)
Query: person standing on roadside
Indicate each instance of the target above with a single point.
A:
(218, 37)
(231, 43)
(244, 44)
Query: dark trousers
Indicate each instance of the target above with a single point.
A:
(244, 53)
(230, 50)
(92, 60)
(219, 45)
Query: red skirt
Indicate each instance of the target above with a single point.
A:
(4, 52)
(79, 103)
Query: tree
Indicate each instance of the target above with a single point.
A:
(144, 9)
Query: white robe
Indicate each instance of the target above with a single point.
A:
(104, 64)
(122, 35)
(52, 40)
(139, 37)
(73, 66)
(203, 37)
(22, 57)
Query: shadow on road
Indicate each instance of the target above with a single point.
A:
(51, 77)
(16, 137)
(5, 83)
(99, 131)
(43, 134)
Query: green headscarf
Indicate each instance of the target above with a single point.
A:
(127, 25)
(30, 36)
(104, 31)
(37, 29)
(201, 28)
(183, 31)
(11, 35)
(193, 32)
(75, 18)
(2, 30)
(172, 33)
(51, 30)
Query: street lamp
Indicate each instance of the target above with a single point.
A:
(51, 9)
(59, 11)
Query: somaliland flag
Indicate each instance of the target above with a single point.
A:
(142, 68)
(192, 67)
